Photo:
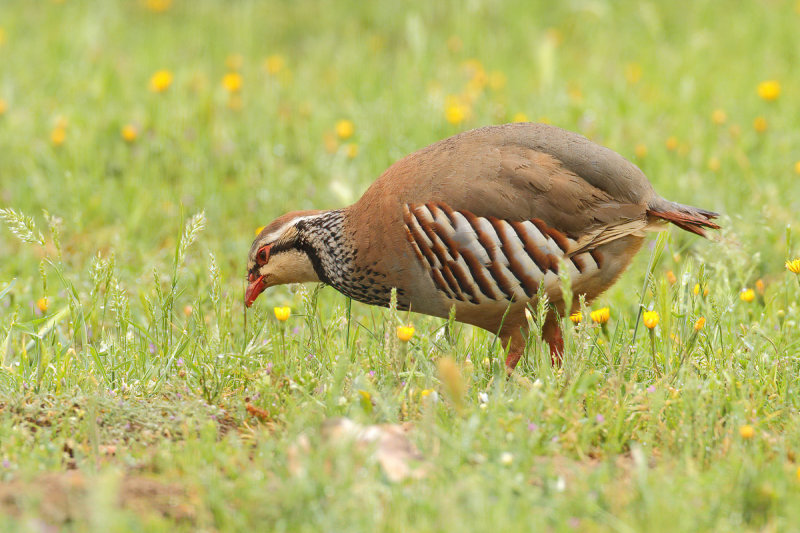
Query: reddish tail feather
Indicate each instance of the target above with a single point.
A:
(688, 218)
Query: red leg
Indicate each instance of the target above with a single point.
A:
(551, 332)
(515, 340)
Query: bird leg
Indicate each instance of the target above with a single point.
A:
(515, 341)
(551, 332)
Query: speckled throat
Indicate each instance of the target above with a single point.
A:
(334, 259)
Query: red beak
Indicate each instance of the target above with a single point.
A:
(255, 288)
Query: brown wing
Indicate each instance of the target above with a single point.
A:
(521, 172)
(514, 173)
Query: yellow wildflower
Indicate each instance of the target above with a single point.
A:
(3, 106)
(696, 289)
(258, 230)
(601, 315)
(797, 167)
(455, 110)
(793, 266)
(58, 136)
(671, 277)
(769, 90)
(701, 322)
(129, 133)
(345, 129)
(760, 124)
(650, 319)
(274, 64)
(760, 287)
(672, 143)
(282, 313)
(160, 81)
(232, 81)
(576, 317)
(798, 468)
(425, 393)
(718, 117)
(43, 303)
(522, 117)
(404, 333)
(633, 73)
(640, 150)
(157, 6)
(575, 94)
(747, 295)
(747, 431)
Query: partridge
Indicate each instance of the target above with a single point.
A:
(478, 222)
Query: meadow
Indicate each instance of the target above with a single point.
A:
(143, 142)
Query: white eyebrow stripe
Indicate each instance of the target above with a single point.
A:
(275, 235)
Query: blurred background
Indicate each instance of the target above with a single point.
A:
(126, 357)
(117, 116)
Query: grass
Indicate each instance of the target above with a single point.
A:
(140, 396)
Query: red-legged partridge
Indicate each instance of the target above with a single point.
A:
(478, 222)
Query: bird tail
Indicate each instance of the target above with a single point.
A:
(692, 219)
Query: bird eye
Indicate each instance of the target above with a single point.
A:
(262, 256)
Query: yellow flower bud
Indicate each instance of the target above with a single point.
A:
(701, 322)
(769, 90)
(601, 315)
(160, 81)
(283, 313)
(345, 129)
(232, 82)
(747, 295)
(274, 64)
(650, 319)
(747, 431)
(43, 303)
(404, 333)
(129, 133)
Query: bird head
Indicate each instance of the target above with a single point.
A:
(279, 255)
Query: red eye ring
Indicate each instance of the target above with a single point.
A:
(262, 256)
